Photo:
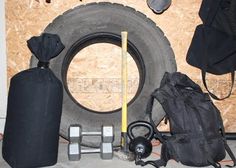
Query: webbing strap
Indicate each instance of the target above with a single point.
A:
(157, 135)
(156, 163)
(227, 148)
(215, 164)
(209, 22)
(213, 95)
(231, 155)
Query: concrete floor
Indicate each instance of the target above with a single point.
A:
(93, 160)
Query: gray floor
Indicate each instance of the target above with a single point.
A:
(93, 160)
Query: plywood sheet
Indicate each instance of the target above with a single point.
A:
(99, 86)
(27, 18)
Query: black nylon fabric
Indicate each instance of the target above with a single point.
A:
(46, 46)
(33, 112)
(197, 131)
(213, 47)
(219, 14)
(212, 51)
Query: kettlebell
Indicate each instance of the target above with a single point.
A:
(141, 146)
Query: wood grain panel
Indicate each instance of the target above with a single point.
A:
(27, 18)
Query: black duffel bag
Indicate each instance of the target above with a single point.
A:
(213, 47)
(34, 109)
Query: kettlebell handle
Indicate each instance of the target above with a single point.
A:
(140, 124)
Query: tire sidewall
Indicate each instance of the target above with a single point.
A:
(157, 57)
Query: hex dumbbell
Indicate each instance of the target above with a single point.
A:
(76, 133)
(75, 138)
(75, 151)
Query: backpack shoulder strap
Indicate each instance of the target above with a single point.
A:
(149, 108)
(231, 155)
(165, 150)
(227, 148)
(162, 161)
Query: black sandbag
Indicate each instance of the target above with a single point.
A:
(34, 109)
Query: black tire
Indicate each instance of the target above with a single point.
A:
(99, 22)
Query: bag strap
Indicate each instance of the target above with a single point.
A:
(213, 95)
(163, 160)
(155, 163)
(149, 108)
(163, 139)
(222, 130)
(227, 148)
(209, 21)
(231, 155)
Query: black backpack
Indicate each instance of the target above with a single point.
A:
(196, 127)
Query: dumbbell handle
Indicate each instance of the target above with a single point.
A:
(86, 151)
(91, 133)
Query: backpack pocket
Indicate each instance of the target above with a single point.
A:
(217, 148)
(182, 146)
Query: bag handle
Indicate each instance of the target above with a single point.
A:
(209, 21)
(213, 95)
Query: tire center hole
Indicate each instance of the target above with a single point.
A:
(94, 77)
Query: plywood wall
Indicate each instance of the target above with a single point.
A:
(27, 18)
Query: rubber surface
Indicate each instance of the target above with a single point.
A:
(103, 22)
